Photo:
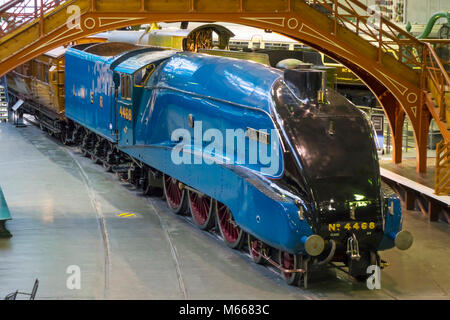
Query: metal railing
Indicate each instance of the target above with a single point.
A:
(442, 177)
(372, 26)
(438, 80)
(17, 13)
(32, 295)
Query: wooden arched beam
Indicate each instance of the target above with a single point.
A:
(395, 85)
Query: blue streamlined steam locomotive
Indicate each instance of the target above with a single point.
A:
(271, 158)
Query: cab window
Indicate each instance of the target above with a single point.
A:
(141, 76)
(125, 87)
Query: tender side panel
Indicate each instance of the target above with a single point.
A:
(89, 92)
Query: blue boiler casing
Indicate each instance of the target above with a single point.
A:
(236, 97)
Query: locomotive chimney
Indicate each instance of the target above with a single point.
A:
(310, 83)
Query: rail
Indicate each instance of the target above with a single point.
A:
(442, 177)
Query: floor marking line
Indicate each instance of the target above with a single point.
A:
(126, 215)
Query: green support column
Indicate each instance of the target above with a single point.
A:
(4, 216)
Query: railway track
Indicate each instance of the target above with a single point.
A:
(100, 220)
(123, 173)
(102, 225)
(270, 258)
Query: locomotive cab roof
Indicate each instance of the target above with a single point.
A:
(135, 60)
(110, 49)
(123, 57)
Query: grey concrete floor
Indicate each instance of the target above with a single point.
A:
(65, 212)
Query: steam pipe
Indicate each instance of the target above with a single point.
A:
(431, 22)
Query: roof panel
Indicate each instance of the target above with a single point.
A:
(134, 63)
(56, 52)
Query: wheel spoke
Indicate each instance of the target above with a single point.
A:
(173, 192)
(230, 231)
(200, 208)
